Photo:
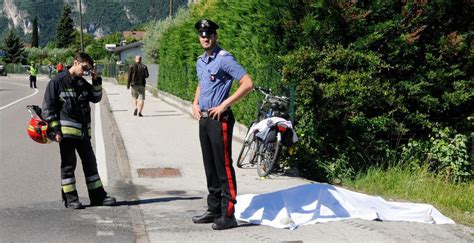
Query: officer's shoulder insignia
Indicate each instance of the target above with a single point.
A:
(223, 53)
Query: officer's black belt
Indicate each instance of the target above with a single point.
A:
(206, 114)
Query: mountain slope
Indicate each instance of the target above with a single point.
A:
(100, 17)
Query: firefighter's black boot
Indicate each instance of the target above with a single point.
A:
(99, 197)
(71, 200)
(109, 201)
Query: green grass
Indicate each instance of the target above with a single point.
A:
(122, 79)
(455, 201)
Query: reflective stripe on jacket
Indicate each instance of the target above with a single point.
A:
(33, 71)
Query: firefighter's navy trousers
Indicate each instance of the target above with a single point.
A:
(216, 145)
(68, 148)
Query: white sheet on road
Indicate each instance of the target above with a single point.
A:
(317, 203)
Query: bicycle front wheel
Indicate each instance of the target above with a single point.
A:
(245, 154)
(267, 156)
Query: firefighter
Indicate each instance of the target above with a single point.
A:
(67, 111)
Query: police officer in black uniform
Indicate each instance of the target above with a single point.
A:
(67, 111)
(216, 70)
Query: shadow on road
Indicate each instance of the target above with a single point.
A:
(162, 115)
(154, 200)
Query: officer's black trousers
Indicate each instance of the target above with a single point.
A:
(68, 148)
(216, 145)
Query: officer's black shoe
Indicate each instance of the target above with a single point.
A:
(108, 201)
(74, 205)
(205, 218)
(135, 112)
(223, 223)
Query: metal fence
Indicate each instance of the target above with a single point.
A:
(108, 69)
(19, 68)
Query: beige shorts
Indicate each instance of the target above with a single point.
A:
(138, 92)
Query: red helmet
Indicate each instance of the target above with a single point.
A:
(37, 128)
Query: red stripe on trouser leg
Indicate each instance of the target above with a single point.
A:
(230, 180)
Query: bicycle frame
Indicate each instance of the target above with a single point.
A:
(264, 154)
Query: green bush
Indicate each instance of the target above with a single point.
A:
(450, 155)
(397, 71)
(46, 55)
(446, 153)
(342, 109)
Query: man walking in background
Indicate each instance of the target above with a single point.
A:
(216, 70)
(137, 73)
(50, 70)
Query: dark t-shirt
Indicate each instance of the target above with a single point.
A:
(137, 74)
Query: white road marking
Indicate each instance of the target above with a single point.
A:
(104, 223)
(16, 101)
(105, 233)
(100, 147)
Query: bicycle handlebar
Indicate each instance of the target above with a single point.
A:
(263, 90)
(268, 93)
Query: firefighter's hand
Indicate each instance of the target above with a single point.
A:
(94, 73)
(58, 137)
(196, 111)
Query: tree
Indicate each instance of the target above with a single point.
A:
(65, 29)
(14, 48)
(34, 35)
(87, 39)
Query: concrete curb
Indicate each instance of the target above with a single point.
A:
(123, 163)
(121, 153)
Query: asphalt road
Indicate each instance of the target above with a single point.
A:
(30, 200)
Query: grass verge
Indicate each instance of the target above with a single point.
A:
(455, 201)
(122, 79)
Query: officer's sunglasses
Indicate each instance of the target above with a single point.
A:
(204, 35)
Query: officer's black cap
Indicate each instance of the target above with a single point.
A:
(206, 27)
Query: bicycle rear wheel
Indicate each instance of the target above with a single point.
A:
(267, 156)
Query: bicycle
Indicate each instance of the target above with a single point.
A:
(263, 147)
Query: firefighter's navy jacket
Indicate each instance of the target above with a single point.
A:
(66, 104)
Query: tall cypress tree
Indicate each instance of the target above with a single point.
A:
(13, 48)
(34, 35)
(65, 28)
